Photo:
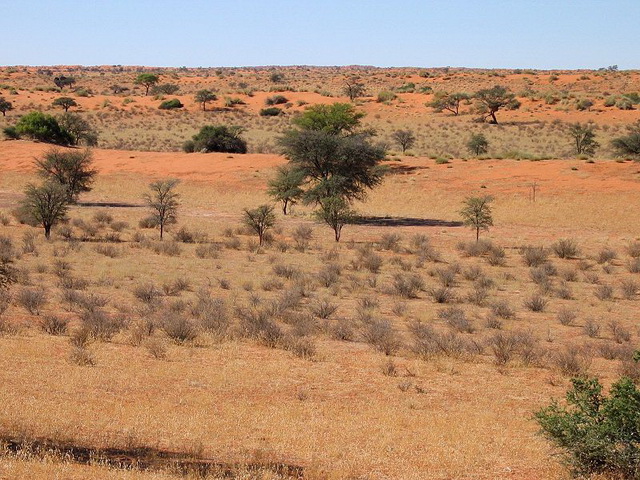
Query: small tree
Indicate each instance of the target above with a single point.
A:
(71, 169)
(476, 213)
(448, 101)
(584, 138)
(163, 203)
(46, 204)
(490, 100)
(147, 80)
(5, 106)
(404, 138)
(478, 144)
(286, 186)
(65, 102)
(595, 432)
(260, 220)
(353, 88)
(205, 96)
(628, 145)
(63, 81)
(335, 212)
(80, 130)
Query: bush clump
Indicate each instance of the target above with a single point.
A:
(171, 104)
(217, 138)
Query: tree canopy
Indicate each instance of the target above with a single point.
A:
(44, 128)
(65, 102)
(72, 169)
(335, 119)
(628, 145)
(5, 106)
(147, 80)
(490, 100)
(217, 138)
(46, 204)
(476, 213)
(203, 97)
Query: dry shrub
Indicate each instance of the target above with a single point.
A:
(390, 241)
(502, 309)
(73, 283)
(566, 316)
(497, 257)
(534, 256)
(381, 335)
(564, 291)
(618, 332)
(207, 250)
(329, 275)
(54, 325)
(100, 325)
(156, 348)
(286, 271)
(592, 278)
(367, 259)
(447, 276)
(170, 249)
(323, 308)
(109, 251)
(32, 299)
(613, 351)
(506, 345)
(572, 360)
(213, 314)
(82, 357)
(302, 236)
(429, 343)
(342, 330)
(569, 275)
(102, 217)
(604, 292)
(475, 249)
(566, 248)
(301, 347)
(176, 286)
(493, 322)
(399, 309)
(147, 293)
(407, 285)
(29, 244)
(633, 249)
(257, 323)
(473, 273)
(178, 328)
(591, 328)
(634, 265)
(271, 284)
(606, 255)
(442, 294)
(389, 368)
(185, 235)
(629, 288)
(536, 303)
(457, 319)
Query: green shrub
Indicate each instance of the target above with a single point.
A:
(44, 128)
(270, 112)
(386, 96)
(171, 104)
(217, 138)
(597, 433)
(276, 100)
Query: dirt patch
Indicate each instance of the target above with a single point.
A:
(141, 458)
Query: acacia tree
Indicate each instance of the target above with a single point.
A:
(163, 203)
(584, 138)
(478, 144)
(205, 96)
(46, 204)
(476, 213)
(79, 129)
(5, 106)
(147, 80)
(353, 88)
(628, 145)
(63, 81)
(71, 169)
(448, 101)
(260, 220)
(65, 102)
(490, 100)
(405, 138)
(286, 186)
(335, 212)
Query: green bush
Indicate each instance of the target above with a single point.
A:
(276, 100)
(44, 128)
(10, 133)
(217, 138)
(270, 112)
(597, 433)
(171, 104)
(386, 96)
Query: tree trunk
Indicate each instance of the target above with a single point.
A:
(161, 230)
(47, 231)
(477, 234)
(493, 118)
(337, 231)
(285, 203)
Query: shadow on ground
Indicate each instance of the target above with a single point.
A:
(405, 222)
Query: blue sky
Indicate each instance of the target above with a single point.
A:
(429, 33)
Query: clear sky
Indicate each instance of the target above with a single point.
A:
(541, 34)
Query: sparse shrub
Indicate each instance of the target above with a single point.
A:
(478, 295)
(634, 265)
(566, 316)
(54, 325)
(606, 255)
(176, 286)
(108, 251)
(302, 347)
(381, 335)
(618, 332)
(492, 321)
(457, 319)
(428, 343)
(572, 360)
(629, 288)
(534, 256)
(591, 328)
(179, 328)
(604, 292)
(441, 294)
(156, 348)
(342, 330)
(407, 285)
(82, 357)
(502, 309)
(210, 250)
(390, 241)
(633, 249)
(147, 293)
(566, 248)
(101, 326)
(32, 299)
(536, 303)
(302, 236)
(323, 308)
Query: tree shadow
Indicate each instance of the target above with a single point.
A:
(109, 204)
(405, 222)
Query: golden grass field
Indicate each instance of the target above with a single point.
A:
(323, 395)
